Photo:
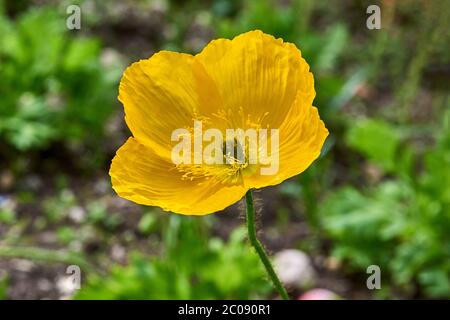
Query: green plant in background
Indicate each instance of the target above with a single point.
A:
(54, 86)
(3, 286)
(322, 48)
(193, 266)
(56, 208)
(381, 143)
(280, 21)
(402, 223)
(7, 215)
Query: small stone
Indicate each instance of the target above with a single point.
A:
(44, 285)
(332, 264)
(66, 286)
(23, 265)
(7, 203)
(109, 57)
(48, 237)
(33, 182)
(77, 214)
(118, 253)
(294, 268)
(6, 180)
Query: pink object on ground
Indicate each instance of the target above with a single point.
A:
(319, 294)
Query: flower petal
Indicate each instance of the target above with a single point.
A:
(140, 175)
(301, 138)
(164, 93)
(258, 77)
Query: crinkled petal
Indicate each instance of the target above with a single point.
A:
(301, 138)
(258, 78)
(163, 93)
(140, 175)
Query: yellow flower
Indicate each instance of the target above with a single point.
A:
(253, 81)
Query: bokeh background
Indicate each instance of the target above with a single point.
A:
(379, 194)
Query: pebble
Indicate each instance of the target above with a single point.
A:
(294, 268)
(77, 214)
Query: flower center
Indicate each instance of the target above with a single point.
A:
(235, 160)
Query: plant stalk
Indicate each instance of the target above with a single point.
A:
(250, 214)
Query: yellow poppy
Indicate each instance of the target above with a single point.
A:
(253, 81)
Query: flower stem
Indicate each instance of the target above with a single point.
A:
(258, 246)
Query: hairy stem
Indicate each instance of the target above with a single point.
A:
(250, 210)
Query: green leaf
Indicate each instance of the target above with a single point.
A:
(377, 140)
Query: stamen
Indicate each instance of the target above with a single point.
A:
(230, 171)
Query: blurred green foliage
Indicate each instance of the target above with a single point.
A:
(378, 141)
(402, 223)
(321, 49)
(7, 216)
(192, 266)
(3, 287)
(54, 86)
